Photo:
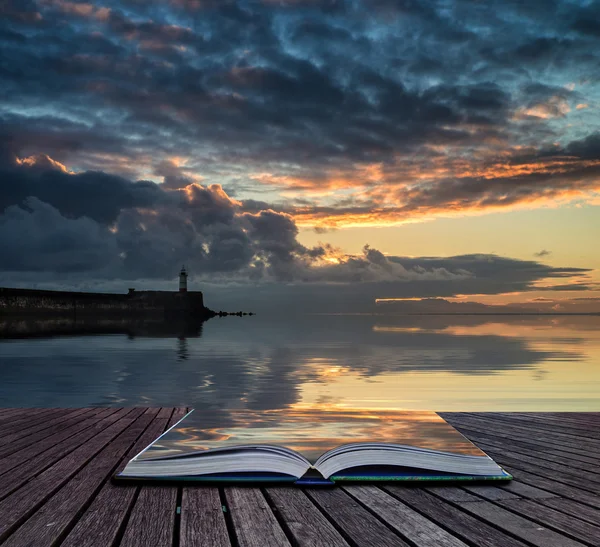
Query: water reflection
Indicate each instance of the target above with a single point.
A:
(311, 432)
(309, 362)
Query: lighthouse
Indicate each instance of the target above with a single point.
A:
(183, 280)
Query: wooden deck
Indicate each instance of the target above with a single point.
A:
(55, 466)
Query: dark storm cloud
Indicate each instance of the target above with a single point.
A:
(96, 195)
(323, 108)
(457, 106)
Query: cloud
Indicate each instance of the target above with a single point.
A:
(542, 253)
(101, 228)
(143, 127)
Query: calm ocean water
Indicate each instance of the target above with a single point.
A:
(314, 362)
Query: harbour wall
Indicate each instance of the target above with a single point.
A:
(135, 303)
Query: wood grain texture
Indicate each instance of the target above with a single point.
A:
(254, 522)
(303, 519)
(23, 502)
(356, 523)
(19, 468)
(202, 519)
(573, 508)
(153, 518)
(59, 512)
(518, 525)
(552, 518)
(156, 506)
(451, 517)
(406, 521)
(101, 523)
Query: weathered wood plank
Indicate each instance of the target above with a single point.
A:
(22, 428)
(53, 519)
(303, 520)
(153, 517)
(353, 520)
(582, 427)
(18, 416)
(478, 432)
(540, 449)
(155, 508)
(450, 493)
(23, 502)
(30, 448)
(551, 518)
(573, 508)
(406, 521)
(101, 523)
(492, 493)
(19, 468)
(254, 523)
(560, 475)
(508, 455)
(453, 518)
(554, 438)
(540, 425)
(527, 491)
(202, 519)
(517, 525)
(7, 412)
(551, 485)
(28, 429)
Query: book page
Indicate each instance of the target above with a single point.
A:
(310, 432)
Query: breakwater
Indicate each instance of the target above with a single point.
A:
(80, 304)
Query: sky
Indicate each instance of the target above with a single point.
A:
(323, 155)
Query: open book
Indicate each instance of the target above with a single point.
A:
(308, 447)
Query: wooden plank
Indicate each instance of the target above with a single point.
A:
(541, 449)
(23, 502)
(563, 421)
(15, 416)
(355, 523)
(453, 518)
(448, 493)
(517, 525)
(153, 527)
(592, 477)
(405, 520)
(8, 413)
(551, 485)
(555, 438)
(102, 522)
(254, 523)
(478, 431)
(303, 520)
(155, 508)
(573, 508)
(202, 519)
(20, 439)
(540, 425)
(56, 515)
(551, 518)
(21, 428)
(562, 476)
(527, 491)
(16, 474)
(27, 450)
(491, 493)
